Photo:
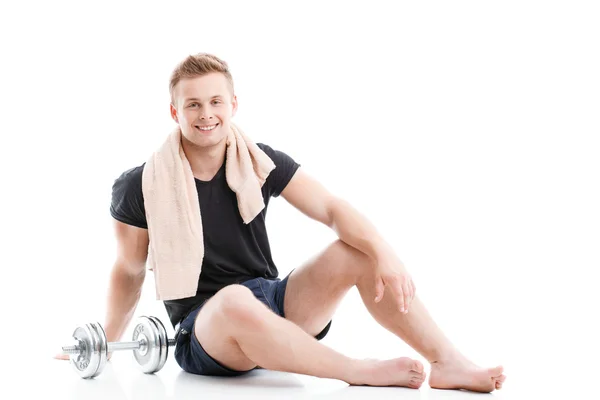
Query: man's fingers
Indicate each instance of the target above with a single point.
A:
(402, 287)
(400, 295)
(407, 296)
(413, 291)
(379, 289)
(395, 284)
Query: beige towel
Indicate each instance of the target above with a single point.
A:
(176, 248)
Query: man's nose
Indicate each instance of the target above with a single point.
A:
(205, 114)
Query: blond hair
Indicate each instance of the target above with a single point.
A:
(199, 65)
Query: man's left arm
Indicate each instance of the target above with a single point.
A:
(311, 198)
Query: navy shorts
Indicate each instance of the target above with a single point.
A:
(189, 353)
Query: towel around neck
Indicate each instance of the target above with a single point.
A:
(176, 248)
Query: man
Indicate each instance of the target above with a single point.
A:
(243, 316)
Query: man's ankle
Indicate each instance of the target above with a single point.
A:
(450, 355)
(357, 372)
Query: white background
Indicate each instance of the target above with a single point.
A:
(466, 131)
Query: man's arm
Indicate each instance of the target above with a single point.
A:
(126, 278)
(125, 281)
(311, 198)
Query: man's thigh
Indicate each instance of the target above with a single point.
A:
(206, 345)
(315, 290)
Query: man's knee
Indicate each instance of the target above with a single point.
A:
(351, 262)
(237, 305)
(221, 322)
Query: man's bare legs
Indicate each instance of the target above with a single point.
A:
(315, 290)
(449, 368)
(244, 333)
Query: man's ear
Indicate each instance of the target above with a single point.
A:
(234, 104)
(173, 113)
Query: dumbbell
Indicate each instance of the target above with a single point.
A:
(150, 347)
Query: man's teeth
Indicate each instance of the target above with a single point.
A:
(207, 128)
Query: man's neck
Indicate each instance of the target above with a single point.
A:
(204, 161)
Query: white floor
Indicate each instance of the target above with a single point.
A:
(121, 380)
(543, 358)
(553, 365)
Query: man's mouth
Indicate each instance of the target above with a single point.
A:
(206, 128)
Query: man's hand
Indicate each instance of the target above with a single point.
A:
(391, 274)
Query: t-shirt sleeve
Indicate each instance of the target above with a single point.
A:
(285, 168)
(127, 204)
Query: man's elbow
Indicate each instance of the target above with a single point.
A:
(334, 210)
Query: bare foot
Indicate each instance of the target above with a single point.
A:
(397, 372)
(463, 374)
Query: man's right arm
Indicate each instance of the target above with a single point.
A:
(126, 278)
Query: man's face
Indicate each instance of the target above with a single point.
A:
(204, 102)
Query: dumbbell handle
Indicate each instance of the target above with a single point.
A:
(115, 346)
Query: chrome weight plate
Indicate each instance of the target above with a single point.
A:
(164, 344)
(102, 348)
(148, 355)
(89, 362)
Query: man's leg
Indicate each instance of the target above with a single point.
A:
(315, 290)
(240, 332)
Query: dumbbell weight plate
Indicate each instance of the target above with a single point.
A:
(148, 356)
(102, 348)
(164, 343)
(90, 362)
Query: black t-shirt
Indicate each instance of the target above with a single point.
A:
(233, 251)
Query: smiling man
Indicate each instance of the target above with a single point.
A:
(243, 315)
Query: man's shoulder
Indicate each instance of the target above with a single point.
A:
(133, 174)
(127, 203)
(264, 147)
(130, 179)
(275, 153)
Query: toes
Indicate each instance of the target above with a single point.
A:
(415, 383)
(499, 381)
(496, 372)
(417, 366)
(418, 377)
